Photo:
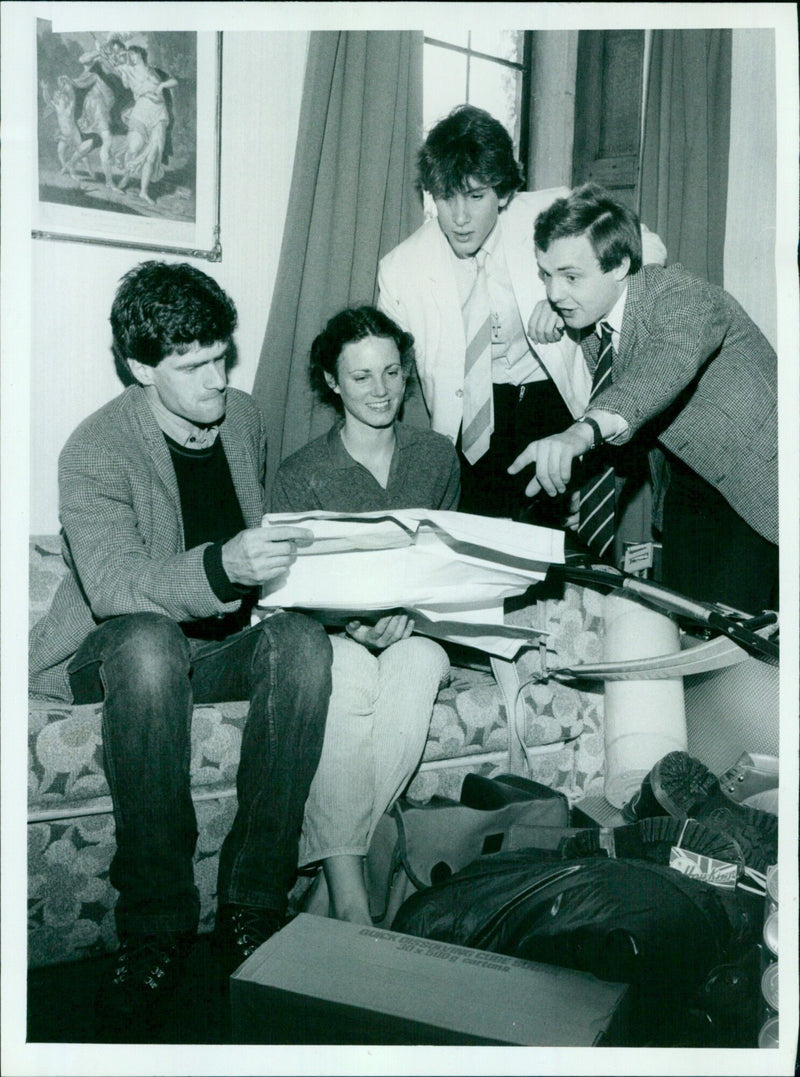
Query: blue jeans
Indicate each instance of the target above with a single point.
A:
(150, 675)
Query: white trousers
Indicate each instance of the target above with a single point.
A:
(378, 719)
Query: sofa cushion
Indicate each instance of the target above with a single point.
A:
(65, 742)
(468, 718)
(65, 754)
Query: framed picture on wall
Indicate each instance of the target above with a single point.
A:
(128, 139)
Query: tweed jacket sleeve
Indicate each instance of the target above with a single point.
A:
(690, 355)
(120, 511)
(673, 323)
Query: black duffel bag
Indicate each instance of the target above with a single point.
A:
(630, 921)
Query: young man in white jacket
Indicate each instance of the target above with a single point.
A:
(428, 283)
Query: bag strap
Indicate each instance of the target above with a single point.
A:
(401, 856)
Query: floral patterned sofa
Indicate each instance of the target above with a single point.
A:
(71, 828)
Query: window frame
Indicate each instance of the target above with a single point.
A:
(525, 67)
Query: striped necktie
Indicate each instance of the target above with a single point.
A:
(598, 494)
(478, 421)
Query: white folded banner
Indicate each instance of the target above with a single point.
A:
(450, 571)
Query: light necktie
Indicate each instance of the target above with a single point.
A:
(598, 495)
(478, 421)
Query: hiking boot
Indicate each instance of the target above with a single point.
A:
(653, 839)
(685, 787)
(753, 780)
(240, 930)
(147, 968)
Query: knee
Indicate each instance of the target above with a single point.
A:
(356, 680)
(425, 658)
(148, 650)
(431, 652)
(299, 648)
(353, 659)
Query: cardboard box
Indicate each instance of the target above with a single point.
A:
(326, 981)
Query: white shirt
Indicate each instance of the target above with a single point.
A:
(513, 362)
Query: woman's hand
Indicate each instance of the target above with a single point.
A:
(385, 631)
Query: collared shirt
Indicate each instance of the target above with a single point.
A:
(183, 432)
(513, 362)
(614, 319)
(424, 473)
(612, 425)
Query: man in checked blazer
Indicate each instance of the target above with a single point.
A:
(467, 164)
(693, 380)
(161, 501)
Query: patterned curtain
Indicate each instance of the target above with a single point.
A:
(352, 200)
(686, 144)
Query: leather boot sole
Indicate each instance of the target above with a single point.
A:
(653, 839)
(685, 787)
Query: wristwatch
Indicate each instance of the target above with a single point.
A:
(598, 433)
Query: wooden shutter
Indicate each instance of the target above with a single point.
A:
(608, 96)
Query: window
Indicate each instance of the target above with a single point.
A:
(487, 68)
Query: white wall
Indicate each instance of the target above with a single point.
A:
(72, 371)
(749, 258)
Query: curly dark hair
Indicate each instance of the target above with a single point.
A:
(467, 144)
(612, 229)
(163, 307)
(347, 327)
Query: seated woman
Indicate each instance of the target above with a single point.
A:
(385, 680)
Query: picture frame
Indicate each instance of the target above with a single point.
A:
(128, 139)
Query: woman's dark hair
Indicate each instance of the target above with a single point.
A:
(348, 327)
(163, 307)
(612, 229)
(468, 144)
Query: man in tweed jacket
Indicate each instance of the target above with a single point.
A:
(691, 373)
(161, 500)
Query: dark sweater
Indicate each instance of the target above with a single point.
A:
(211, 513)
